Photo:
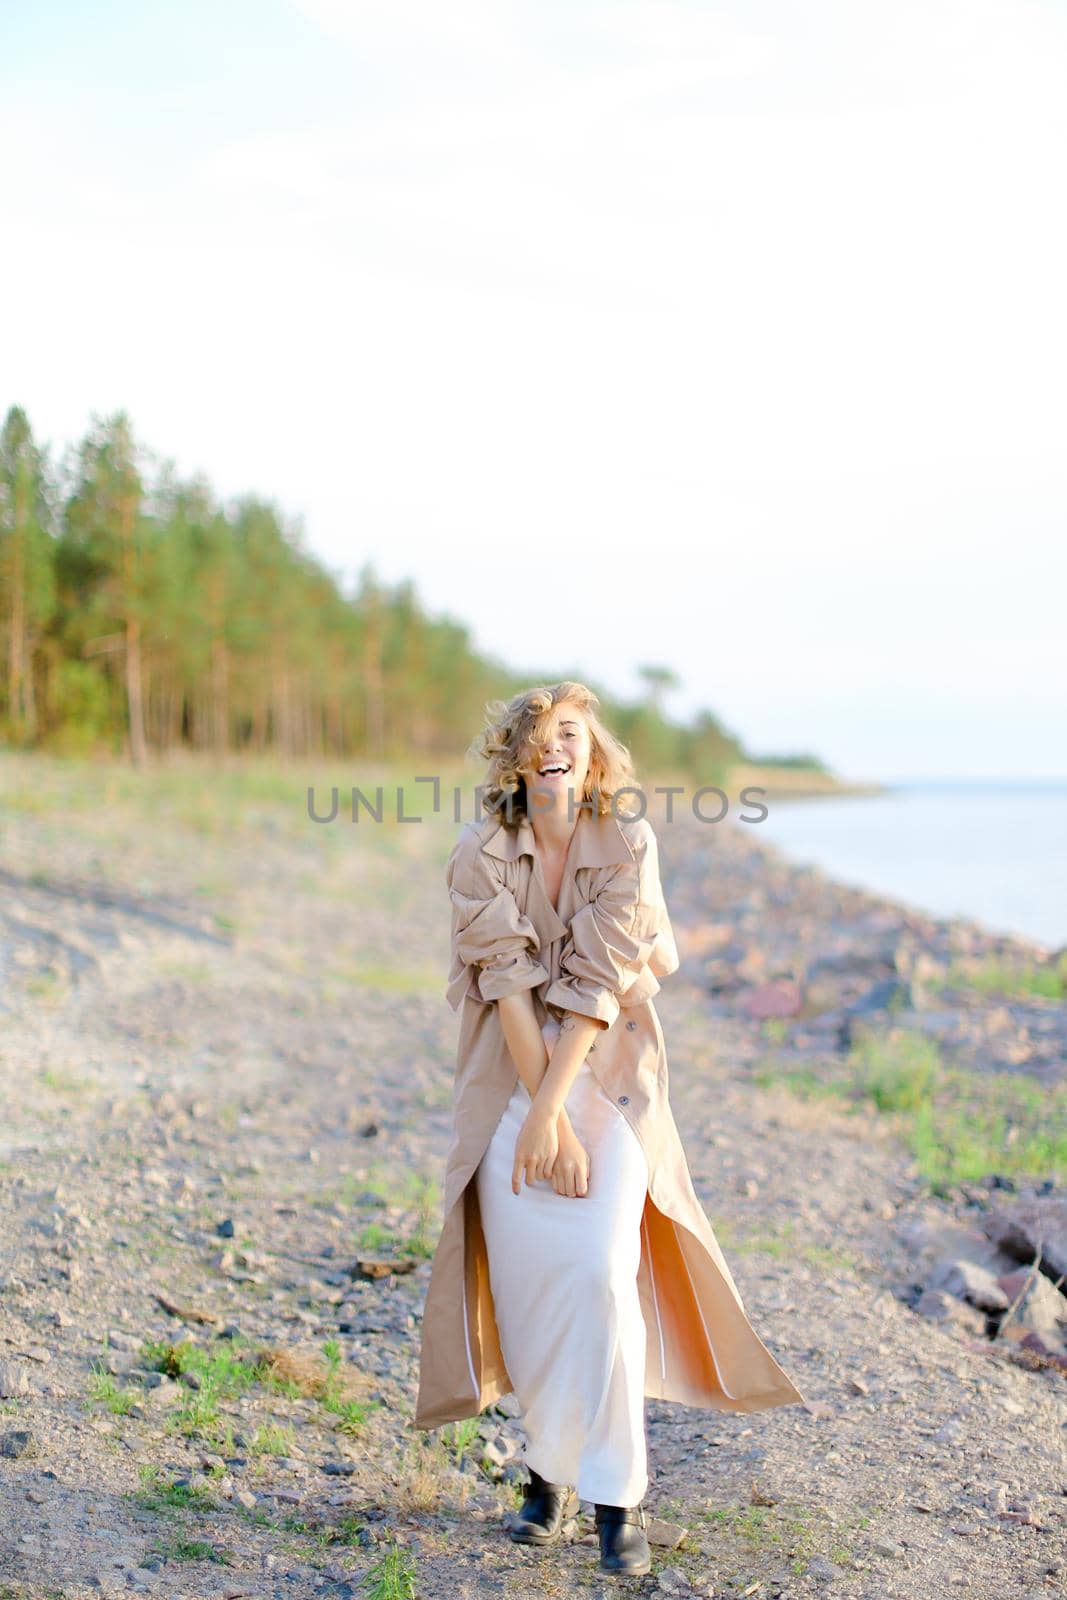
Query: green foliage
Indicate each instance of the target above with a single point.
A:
(272, 1439)
(222, 1371)
(103, 1386)
(389, 979)
(347, 1530)
(196, 1416)
(180, 1548)
(157, 1492)
(1013, 981)
(27, 572)
(392, 1577)
(459, 1437)
(226, 1368)
(897, 1072)
(353, 1414)
(138, 608)
(795, 1531)
(959, 1125)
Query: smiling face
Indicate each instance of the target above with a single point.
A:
(561, 764)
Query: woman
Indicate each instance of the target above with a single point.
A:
(577, 1270)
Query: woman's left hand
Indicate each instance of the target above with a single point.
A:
(535, 1148)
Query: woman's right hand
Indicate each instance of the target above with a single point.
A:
(570, 1172)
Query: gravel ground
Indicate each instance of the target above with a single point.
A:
(226, 1062)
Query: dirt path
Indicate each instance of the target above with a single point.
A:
(226, 1062)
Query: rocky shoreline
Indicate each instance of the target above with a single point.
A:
(226, 1063)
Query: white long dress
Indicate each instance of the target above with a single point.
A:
(563, 1273)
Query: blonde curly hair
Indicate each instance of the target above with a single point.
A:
(518, 725)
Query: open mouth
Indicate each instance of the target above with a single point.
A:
(554, 769)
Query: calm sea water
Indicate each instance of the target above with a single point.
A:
(996, 853)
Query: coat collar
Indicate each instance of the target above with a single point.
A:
(597, 842)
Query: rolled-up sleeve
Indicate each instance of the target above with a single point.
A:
(610, 939)
(495, 946)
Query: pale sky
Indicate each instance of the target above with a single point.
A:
(727, 337)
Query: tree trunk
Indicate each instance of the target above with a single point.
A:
(374, 690)
(134, 693)
(220, 695)
(17, 655)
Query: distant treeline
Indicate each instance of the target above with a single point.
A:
(138, 614)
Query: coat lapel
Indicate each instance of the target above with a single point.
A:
(596, 842)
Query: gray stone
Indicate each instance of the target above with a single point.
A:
(501, 1449)
(667, 1534)
(887, 1548)
(17, 1442)
(941, 1307)
(119, 1340)
(14, 1380)
(968, 1281)
(1032, 1224)
(821, 1570)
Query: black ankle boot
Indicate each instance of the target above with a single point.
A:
(623, 1544)
(546, 1507)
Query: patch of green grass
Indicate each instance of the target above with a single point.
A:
(103, 1386)
(415, 1192)
(196, 1415)
(376, 1236)
(958, 1124)
(197, 973)
(157, 1492)
(459, 1437)
(222, 1374)
(783, 1243)
(274, 1383)
(182, 1549)
(392, 1577)
(1012, 980)
(348, 1530)
(353, 1414)
(47, 985)
(804, 1082)
(272, 1439)
(388, 979)
(785, 1530)
(225, 1368)
(897, 1071)
(63, 1082)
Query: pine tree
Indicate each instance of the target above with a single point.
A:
(107, 549)
(27, 575)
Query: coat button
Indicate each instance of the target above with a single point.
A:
(624, 1099)
(631, 1025)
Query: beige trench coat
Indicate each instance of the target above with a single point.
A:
(601, 955)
